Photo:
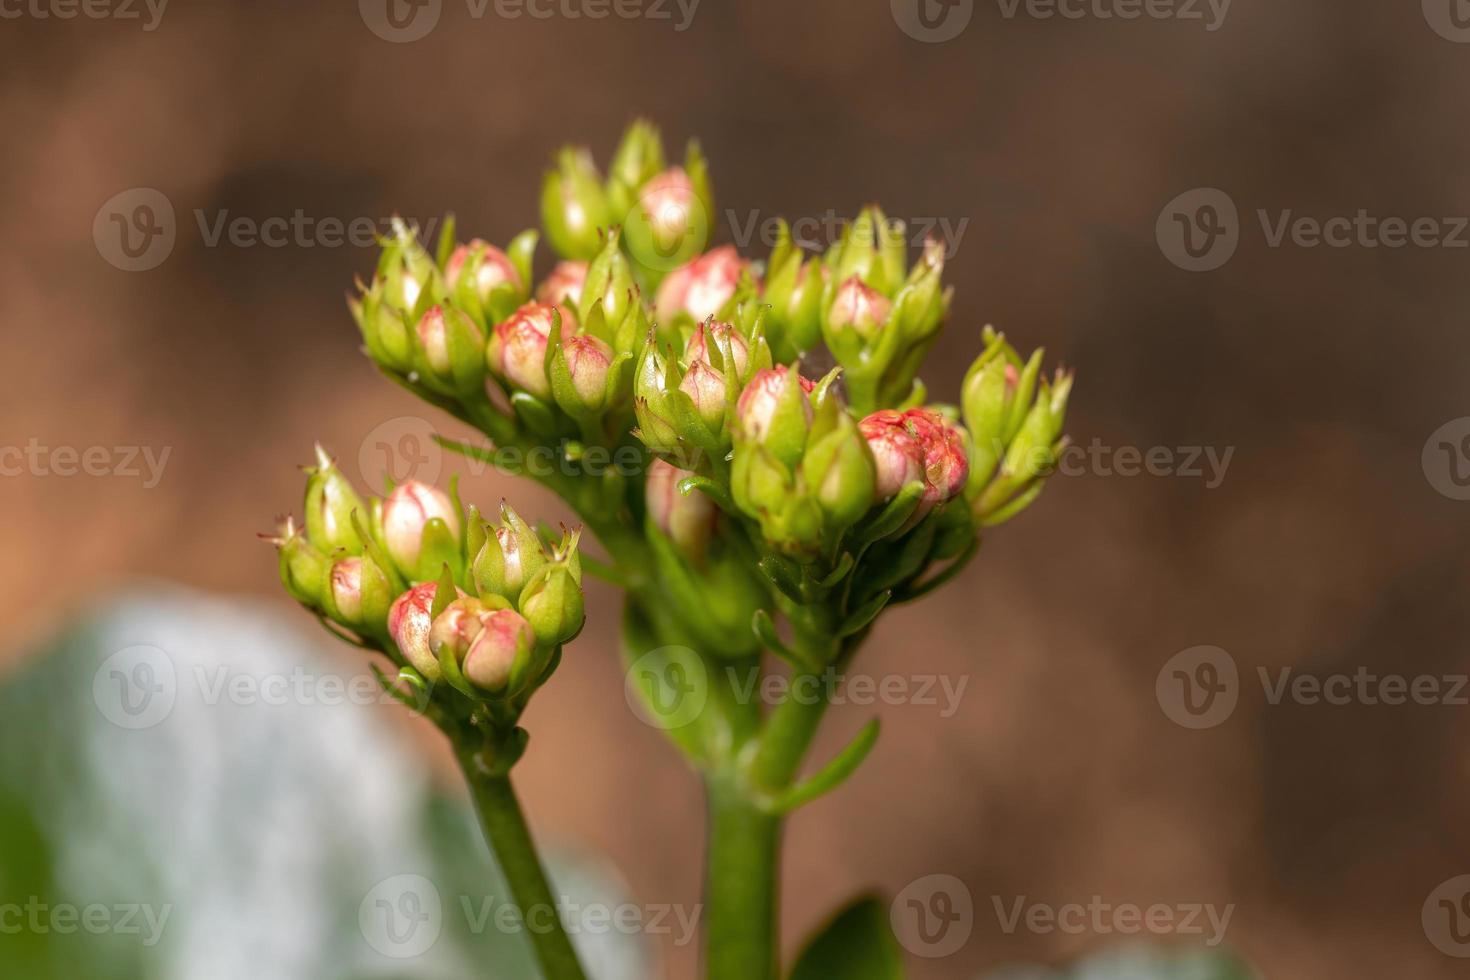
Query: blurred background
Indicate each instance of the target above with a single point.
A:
(1059, 158)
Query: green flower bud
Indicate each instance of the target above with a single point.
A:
(775, 412)
(358, 594)
(303, 567)
(552, 604)
(794, 292)
(573, 205)
(609, 281)
(838, 467)
(580, 371)
(638, 158)
(490, 267)
(510, 557)
(330, 503)
(420, 530)
(453, 349)
(687, 519)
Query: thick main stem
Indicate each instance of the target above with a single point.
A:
(742, 882)
(510, 839)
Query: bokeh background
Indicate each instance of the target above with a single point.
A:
(1050, 146)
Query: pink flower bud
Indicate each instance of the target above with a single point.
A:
(667, 201)
(946, 465)
(455, 627)
(859, 307)
(346, 583)
(517, 349)
(431, 337)
(409, 625)
(916, 445)
(495, 268)
(758, 403)
(564, 285)
(407, 509)
(898, 456)
(687, 520)
(706, 387)
(588, 361)
(713, 335)
(491, 657)
(701, 286)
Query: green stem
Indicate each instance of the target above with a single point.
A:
(505, 828)
(742, 878)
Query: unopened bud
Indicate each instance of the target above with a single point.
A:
(516, 353)
(838, 469)
(709, 342)
(701, 287)
(564, 286)
(573, 205)
(409, 622)
(668, 223)
(552, 603)
(330, 503)
(898, 457)
(495, 268)
(706, 388)
(455, 627)
(687, 519)
(580, 375)
(946, 467)
(774, 411)
(407, 515)
(858, 308)
(509, 558)
(346, 585)
(503, 642)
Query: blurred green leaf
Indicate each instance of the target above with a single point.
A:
(857, 945)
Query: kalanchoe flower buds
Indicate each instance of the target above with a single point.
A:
(793, 289)
(859, 308)
(898, 458)
(668, 223)
(502, 648)
(581, 374)
(453, 349)
(345, 581)
(330, 503)
(510, 557)
(573, 205)
(455, 626)
(564, 286)
(706, 388)
(303, 567)
(420, 529)
(709, 342)
(838, 468)
(516, 353)
(493, 270)
(409, 621)
(916, 445)
(700, 288)
(774, 412)
(687, 519)
(552, 599)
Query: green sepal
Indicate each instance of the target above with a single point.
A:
(445, 247)
(373, 548)
(534, 413)
(764, 628)
(862, 617)
(894, 514)
(784, 574)
(440, 547)
(521, 251)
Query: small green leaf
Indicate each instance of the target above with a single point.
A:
(857, 945)
(830, 776)
(864, 615)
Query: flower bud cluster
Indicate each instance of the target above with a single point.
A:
(482, 607)
(1014, 417)
(664, 212)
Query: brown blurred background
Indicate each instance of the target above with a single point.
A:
(1059, 141)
